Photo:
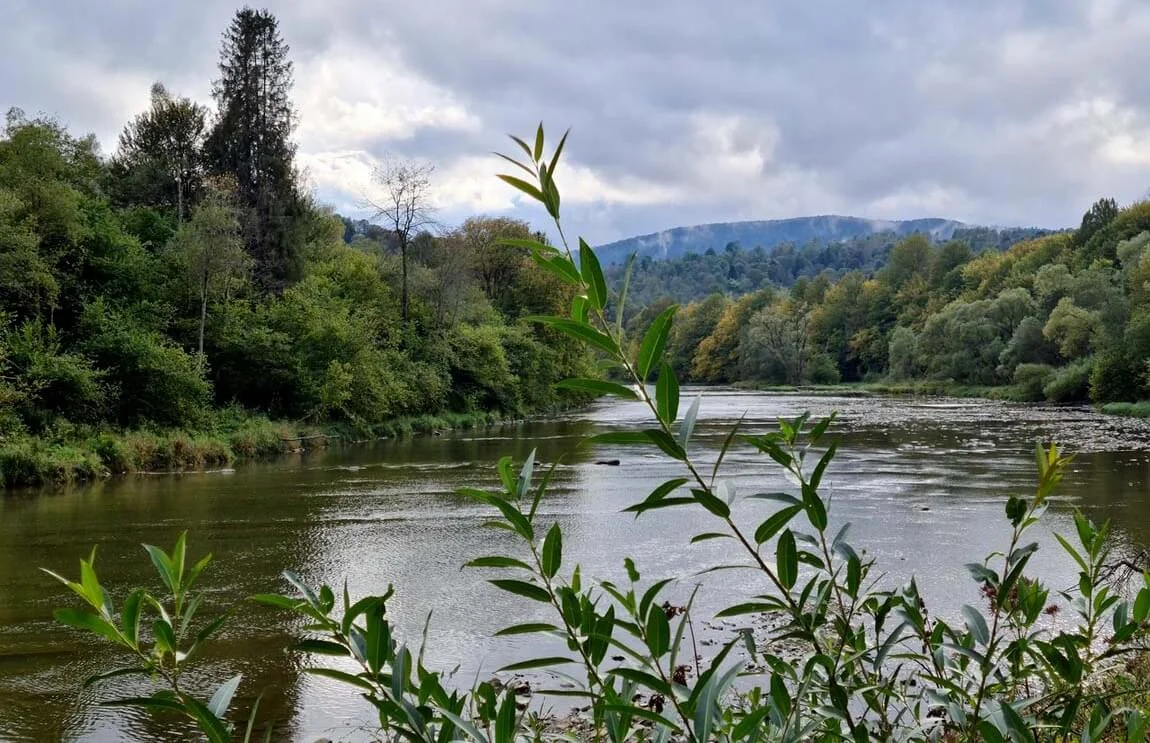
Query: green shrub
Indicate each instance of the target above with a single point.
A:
(156, 382)
(1116, 378)
(1030, 381)
(1070, 383)
(33, 463)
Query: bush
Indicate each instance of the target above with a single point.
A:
(156, 382)
(1116, 378)
(1030, 381)
(33, 463)
(1071, 383)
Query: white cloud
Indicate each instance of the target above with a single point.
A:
(353, 97)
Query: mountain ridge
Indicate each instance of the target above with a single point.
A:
(769, 233)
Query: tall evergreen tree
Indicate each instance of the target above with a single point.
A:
(251, 140)
(159, 161)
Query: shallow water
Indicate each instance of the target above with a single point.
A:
(922, 481)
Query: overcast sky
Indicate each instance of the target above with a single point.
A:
(989, 111)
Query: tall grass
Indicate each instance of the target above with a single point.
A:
(1131, 409)
(70, 455)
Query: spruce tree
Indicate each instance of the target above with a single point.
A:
(251, 140)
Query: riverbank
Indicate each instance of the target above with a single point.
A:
(919, 387)
(1010, 393)
(77, 456)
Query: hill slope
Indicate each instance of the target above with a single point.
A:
(680, 241)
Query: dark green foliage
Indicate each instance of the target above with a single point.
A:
(251, 141)
(1070, 383)
(128, 298)
(160, 157)
(1117, 377)
(1030, 381)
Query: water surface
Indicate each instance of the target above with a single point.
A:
(922, 481)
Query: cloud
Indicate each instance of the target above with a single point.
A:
(991, 111)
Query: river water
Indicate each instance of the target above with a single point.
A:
(923, 482)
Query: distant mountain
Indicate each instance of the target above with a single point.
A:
(767, 234)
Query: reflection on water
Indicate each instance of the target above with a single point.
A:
(922, 482)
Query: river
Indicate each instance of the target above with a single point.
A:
(923, 481)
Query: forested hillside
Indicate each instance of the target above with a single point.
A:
(1063, 317)
(735, 270)
(189, 282)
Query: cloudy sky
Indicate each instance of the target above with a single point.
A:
(990, 111)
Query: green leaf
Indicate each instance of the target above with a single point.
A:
(130, 615)
(522, 588)
(816, 509)
(497, 561)
(654, 341)
(592, 275)
(658, 494)
(537, 154)
(343, 677)
(1016, 727)
(667, 394)
(708, 536)
(711, 502)
(658, 631)
(976, 623)
(132, 671)
(86, 620)
(179, 558)
(165, 637)
(654, 436)
(523, 186)
(821, 467)
(552, 551)
(707, 704)
(651, 681)
(599, 387)
(527, 629)
(323, 647)
(579, 331)
(532, 245)
(687, 427)
(208, 723)
(222, 698)
(505, 721)
(157, 702)
(535, 663)
(750, 607)
(787, 559)
(163, 566)
(279, 602)
(559, 265)
(726, 445)
(1142, 606)
(775, 523)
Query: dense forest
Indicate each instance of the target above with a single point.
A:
(1061, 317)
(732, 269)
(189, 281)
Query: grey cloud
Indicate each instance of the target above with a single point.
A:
(858, 104)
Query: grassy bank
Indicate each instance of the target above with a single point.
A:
(1132, 409)
(75, 456)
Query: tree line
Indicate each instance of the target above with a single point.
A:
(1060, 317)
(737, 270)
(191, 273)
